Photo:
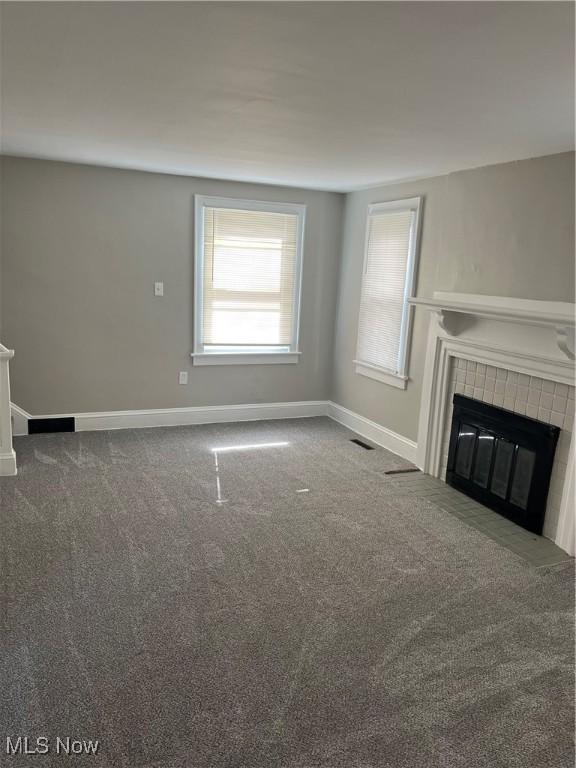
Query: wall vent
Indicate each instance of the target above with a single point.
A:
(40, 426)
(362, 444)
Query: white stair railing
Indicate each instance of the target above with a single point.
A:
(7, 455)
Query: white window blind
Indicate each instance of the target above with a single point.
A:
(389, 268)
(248, 266)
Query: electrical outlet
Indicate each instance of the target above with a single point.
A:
(183, 378)
(158, 289)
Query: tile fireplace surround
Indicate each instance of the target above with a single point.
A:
(542, 399)
(515, 354)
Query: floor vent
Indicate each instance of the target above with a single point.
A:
(362, 444)
(401, 471)
(40, 426)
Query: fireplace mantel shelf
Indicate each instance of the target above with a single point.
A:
(560, 317)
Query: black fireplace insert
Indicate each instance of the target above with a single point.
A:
(502, 459)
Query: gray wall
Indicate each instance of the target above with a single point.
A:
(500, 230)
(1, 188)
(81, 249)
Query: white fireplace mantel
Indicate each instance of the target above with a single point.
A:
(530, 337)
(451, 308)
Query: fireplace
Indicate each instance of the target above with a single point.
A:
(502, 459)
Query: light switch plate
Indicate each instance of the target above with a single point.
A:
(183, 377)
(158, 289)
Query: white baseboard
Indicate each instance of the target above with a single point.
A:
(215, 414)
(7, 464)
(168, 417)
(392, 441)
(19, 420)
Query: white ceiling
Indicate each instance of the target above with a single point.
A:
(322, 95)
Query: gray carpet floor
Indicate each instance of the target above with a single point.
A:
(268, 607)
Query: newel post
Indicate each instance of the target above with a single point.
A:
(7, 454)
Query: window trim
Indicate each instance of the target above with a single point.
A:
(399, 378)
(249, 355)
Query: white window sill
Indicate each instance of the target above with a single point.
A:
(381, 374)
(245, 358)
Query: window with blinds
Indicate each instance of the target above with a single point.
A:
(248, 266)
(387, 283)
